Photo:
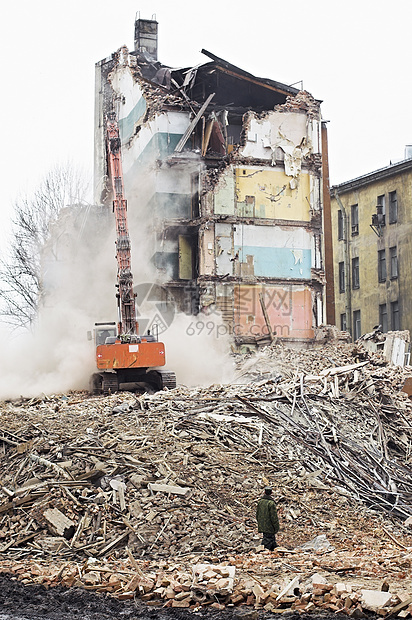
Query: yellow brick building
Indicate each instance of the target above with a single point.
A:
(372, 250)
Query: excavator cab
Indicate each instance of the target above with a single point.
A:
(103, 331)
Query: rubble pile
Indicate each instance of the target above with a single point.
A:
(302, 101)
(155, 495)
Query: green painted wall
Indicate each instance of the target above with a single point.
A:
(127, 124)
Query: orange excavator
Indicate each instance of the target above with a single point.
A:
(124, 359)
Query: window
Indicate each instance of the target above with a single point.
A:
(393, 256)
(340, 225)
(355, 272)
(354, 219)
(381, 208)
(381, 266)
(356, 325)
(393, 207)
(383, 317)
(395, 320)
(343, 322)
(341, 277)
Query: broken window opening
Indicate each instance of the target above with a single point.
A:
(355, 220)
(357, 332)
(355, 272)
(381, 266)
(187, 257)
(233, 131)
(393, 257)
(395, 317)
(343, 322)
(393, 207)
(381, 208)
(340, 225)
(317, 253)
(383, 317)
(341, 277)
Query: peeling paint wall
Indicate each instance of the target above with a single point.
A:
(224, 194)
(224, 249)
(157, 138)
(283, 136)
(207, 251)
(262, 251)
(132, 104)
(265, 135)
(289, 309)
(266, 193)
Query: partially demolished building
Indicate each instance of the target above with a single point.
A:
(225, 182)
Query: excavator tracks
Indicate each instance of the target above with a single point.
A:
(152, 381)
(168, 379)
(110, 383)
(104, 383)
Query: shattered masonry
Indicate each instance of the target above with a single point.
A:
(223, 174)
(152, 498)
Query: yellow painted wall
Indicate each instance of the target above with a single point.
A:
(273, 197)
(366, 244)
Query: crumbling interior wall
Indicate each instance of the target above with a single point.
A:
(264, 192)
(282, 136)
(284, 255)
(289, 309)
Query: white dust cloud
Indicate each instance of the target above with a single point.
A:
(79, 275)
(197, 350)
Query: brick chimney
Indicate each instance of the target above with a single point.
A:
(145, 36)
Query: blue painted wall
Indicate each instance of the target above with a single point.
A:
(276, 262)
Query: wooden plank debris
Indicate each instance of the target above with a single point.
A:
(173, 478)
(188, 132)
(168, 488)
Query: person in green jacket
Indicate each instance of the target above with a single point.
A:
(267, 518)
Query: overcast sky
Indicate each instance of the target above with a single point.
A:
(354, 56)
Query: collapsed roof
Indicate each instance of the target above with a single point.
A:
(239, 90)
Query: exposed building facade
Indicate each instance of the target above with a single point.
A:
(372, 249)
(225, 183)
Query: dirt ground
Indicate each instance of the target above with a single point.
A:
(22, 602)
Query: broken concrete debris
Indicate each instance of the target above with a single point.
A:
(153, 496)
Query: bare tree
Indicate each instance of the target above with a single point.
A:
(21, 286)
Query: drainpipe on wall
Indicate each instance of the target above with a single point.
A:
(324, 189)
(348, 296)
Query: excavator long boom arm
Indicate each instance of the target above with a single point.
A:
(128, 360)
(126, 297)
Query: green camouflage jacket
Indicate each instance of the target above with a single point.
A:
(267, 516)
